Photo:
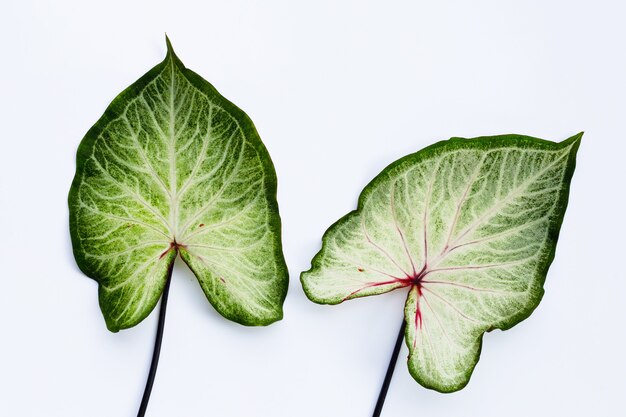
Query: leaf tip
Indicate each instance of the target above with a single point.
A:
(577, 137)
(170, 49)
(574, 142)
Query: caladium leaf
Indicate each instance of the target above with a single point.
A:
(469, 227)
(172, 167)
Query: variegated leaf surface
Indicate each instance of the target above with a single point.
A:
(172, 167)
(468, 227)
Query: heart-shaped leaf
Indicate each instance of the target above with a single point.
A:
(172, 167)
(469, 227)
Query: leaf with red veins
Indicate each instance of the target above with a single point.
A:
(469, 227)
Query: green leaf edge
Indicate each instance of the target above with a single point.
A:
(111, 113)
(553, 232)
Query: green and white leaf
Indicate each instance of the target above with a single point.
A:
(173, 167)
(469, 227)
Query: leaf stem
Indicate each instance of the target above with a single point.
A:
(392, 365)
(157, 346)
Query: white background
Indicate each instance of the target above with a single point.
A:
(337, 90)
